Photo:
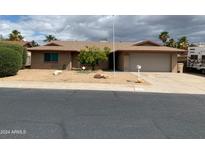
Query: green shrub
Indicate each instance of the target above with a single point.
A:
(10, 62)
(24, 57)
(93, 55)
(21, 50)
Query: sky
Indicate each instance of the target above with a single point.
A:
(97, 28)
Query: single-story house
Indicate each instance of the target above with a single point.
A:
(152, 56)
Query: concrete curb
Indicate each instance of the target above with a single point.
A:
(91, 86)
(68, 86)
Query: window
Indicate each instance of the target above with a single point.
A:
(51, 57)
(194, 57)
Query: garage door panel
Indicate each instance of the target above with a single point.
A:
(150, 62)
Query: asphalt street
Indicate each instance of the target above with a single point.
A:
(33, 113)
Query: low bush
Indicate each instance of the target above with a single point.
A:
(10, 61)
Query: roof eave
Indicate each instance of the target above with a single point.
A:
(177, 51)
(57, 50)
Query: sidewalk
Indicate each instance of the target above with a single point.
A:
(69, 86)
(169, 83)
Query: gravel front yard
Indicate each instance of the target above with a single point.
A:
(72, 76)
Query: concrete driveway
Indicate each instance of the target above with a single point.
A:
(173, 83)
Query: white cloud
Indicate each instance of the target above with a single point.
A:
(128, 28)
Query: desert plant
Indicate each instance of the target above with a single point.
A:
(93, 55)
(10, 62)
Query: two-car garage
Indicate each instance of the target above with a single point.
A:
(151, 56)
(150, 62)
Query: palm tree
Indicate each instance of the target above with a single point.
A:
(171, 43)
(183, 43)
(15, 35)
(34, 43)
(50, 38)
(164, 36)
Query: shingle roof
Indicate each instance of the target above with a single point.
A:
(119, 46)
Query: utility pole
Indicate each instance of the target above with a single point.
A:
(113, 42)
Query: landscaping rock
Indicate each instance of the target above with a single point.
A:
(140, 81)
(57, 72)
(100, 76)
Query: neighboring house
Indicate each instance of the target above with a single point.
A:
(64, 55)
(24, 44)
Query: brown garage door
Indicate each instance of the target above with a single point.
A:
(150, 62)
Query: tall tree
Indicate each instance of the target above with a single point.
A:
(49, 38)
(171, 43)
(34, 43)
(183, 43)
(15, 35)
(164, 36)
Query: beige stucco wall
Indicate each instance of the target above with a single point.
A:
(103, 65)
(174, 62)
(126, 62)
(123, 62)
(120, 62)
(69, 59)
(37, 61)
(75, 60)
(76, 64)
